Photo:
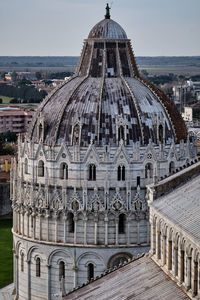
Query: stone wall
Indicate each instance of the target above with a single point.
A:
(5, 203)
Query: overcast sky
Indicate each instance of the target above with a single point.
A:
(58, 27)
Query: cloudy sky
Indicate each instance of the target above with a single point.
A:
(58, 27)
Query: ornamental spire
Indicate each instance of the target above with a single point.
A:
(107, 15)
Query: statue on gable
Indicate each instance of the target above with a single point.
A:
(75, 205)
(95, 206)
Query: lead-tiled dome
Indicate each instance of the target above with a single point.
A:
(107, 29)
(106, 100)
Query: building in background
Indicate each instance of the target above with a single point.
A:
(20, 76)
(14, 119)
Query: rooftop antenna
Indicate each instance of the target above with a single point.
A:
(107, 15)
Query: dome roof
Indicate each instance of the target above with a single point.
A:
(106, 100)
(107, 29)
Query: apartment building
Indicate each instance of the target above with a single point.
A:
(14, 119)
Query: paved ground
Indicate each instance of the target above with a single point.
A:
(6, 292)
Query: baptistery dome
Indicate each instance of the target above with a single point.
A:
(106, 100)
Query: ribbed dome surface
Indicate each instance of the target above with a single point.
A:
(107, 100)
(107, 29)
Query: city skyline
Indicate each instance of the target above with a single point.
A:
(57, 28)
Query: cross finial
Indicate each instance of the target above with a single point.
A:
(107, 15)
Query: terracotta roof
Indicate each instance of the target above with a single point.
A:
(141, 279)
(16, 112)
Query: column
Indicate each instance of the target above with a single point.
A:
(158, 243)
(75, 228)
(148, 232)
(164, 250)
(17, 274)
(95, 228)
(28, 279)
(23, 223)
(116, 231)
(33, 220)
(85, 229)
(195, 279)
(47, 221)
(19, 223)
(153, 239)
(128, 230)
(48, 281)
(40, 227)
(15, 220)
(27, 218)
(175, 261)
(182, 265)
(75, 268)
(189, 275)
(14, 292)
(65, 231)
(56, 229)
(106, 229)
(138, 230)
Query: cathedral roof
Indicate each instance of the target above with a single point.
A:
(181, 205)
(145, 281)
(106, 100)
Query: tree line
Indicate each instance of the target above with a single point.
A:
(26, 93)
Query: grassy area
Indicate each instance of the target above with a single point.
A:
(6, 255)
(6, 100)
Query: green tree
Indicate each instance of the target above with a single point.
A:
(14, 76)
(38, 75)
(10, 136)
(8, 150)
(2, 144)
(14, 100)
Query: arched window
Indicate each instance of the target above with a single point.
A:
(160, 133)
(92, 172)
(122, 220)
(148, 171)
(71, 222)
(138, 181)
(26, 166)
(171, 167)
(63, 171)
(22, 262)
(38, 267)
(61, 270)
(90, 271)
(41, 168)
(121, 173)
(120, 133)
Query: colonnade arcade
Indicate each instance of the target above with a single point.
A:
(86, 228)
(176, 254)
